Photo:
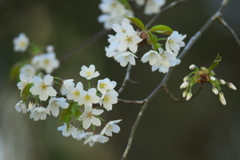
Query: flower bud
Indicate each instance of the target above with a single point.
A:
(222, 98)
(230, 85)
(185, 78)
(192, 67)
(184, 94)
(184, 85)
(189, 96)
(212, 78)
(222, 81)
(215, 91)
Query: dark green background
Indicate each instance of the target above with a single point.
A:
(199, 129)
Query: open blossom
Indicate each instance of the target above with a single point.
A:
(113, 13)
(105, 84)
(42, 87)
(128, 39)
(153, 6)
(67, 85)
(55, 103)
(89, 73)
(67, 131)
(28, 70)
(39, 113)
(89, 97)
(88, 117)
(96, 138)
(48, 62)
(75, 93)
(126, 58)
(125, 25)
(21, 43)
(113, 51)
(108, 99)
(111, 127)
(174, 42)
(21, 107)
(167, 60)
(25, 80)
(151, 56)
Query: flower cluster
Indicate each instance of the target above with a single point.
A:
(113, 12)
(152, 6)
(82, 106)
(204, 75)
(39, 60)
(124, 45)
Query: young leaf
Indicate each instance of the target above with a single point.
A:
(162, 29)
(137, 22)
(153, 40)
(14, 73)
(26, 93)
(215, 63)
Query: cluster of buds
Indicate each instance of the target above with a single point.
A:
(205, 75)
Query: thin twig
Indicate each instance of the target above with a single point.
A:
(163, 10)
(167, 76)
(225, 25)
(126, 79)
(176, 100)
(85, 44)
(131, 101)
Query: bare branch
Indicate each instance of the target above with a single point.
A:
(126, 79)
(225, 25)
(131, 101)
(85, 44)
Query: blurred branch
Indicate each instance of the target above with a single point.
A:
(126, 79)
(85, 44)
(131, 101)
(193, 39)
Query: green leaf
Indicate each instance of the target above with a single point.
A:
(153, 40)
(215, 63)
(26, 92)
(72, 110)
(137, 22)
(126, 4)
(14, 73)
(162, 29)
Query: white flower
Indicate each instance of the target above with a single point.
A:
(151, 56)
(88, 117)
(174, 42)
(50, 48)
(96, 138)
(222, 98)
(39, 113)
(184, 84)
(42, 87)
(230, 85)
(89, 73)
(89, 97)
(128, 39)
(21, 43)
(108, 99)
(67, 86)
(153, 6)
(25, 80)
(67, 131)
(125, 25)
(47, 62)
(55, 103)
(113, 51)
(81, 134)
(111, 127)
(105, 84)
(140, 2)
(126, 58)
(222, 81)
(212, 78)
(167, 60)
(21, 107)
(28, 70)
(75, 93)
(31, 106)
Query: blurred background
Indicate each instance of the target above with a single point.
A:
(200, 129)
